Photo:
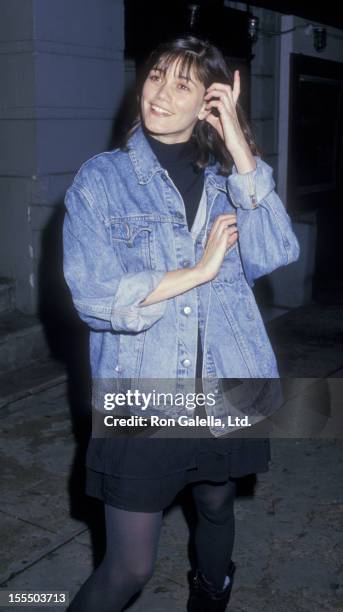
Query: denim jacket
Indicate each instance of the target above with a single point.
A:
(125, 227)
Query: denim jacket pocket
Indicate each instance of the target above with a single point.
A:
(231, 269)
(135, 242)
(231, 274)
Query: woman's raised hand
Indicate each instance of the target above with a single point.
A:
(221, 106)
(223, 234)
(223, 99)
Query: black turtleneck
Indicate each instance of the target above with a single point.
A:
(179, 161)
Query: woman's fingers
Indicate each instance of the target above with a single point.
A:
(223, 235)
(224, 220)
(222, 87)
(226, 92)
(227, 231)
(224, 226)
(231, 238)
(231, 230)
(220, 96)
(216, 104)
(236, 86)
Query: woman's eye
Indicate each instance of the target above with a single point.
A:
(182, 85)
(153, 77)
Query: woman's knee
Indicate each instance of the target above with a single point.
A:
(127, 573)
(133, 579)
(218, 514)
(215, 505)
(140, 575)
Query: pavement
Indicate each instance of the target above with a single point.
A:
(289, 521)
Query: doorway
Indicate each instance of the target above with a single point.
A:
(315, 164)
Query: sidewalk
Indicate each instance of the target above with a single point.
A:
(289, 536)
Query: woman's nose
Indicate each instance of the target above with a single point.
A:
(164, 91)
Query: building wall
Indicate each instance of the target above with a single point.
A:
(270, 79)
(289, 286)
(265, 82)
(62, 66)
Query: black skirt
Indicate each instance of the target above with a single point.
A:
(140, 491)
(145, 474)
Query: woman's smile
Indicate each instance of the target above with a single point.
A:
(159, 111)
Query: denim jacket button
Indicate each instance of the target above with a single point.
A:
(186, 362)
(187, 310)
(186, 263)
(118, 368)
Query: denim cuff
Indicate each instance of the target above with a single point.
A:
(133, 288)
(249, 189)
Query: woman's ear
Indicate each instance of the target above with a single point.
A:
(202, 112)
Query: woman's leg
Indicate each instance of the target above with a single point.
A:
(131, 547)
(215, 530)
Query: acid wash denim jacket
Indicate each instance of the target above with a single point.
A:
(125, 227)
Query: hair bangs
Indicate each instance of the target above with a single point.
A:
(186, 62)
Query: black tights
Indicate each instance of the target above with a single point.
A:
(131, 548)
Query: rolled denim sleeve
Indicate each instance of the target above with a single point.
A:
(266, 237)
(106, 297)
(249, 189)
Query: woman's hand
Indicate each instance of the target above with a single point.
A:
(223, 234)
(226, 122)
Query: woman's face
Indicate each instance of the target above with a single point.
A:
(171, 104)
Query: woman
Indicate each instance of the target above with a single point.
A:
(163, 238)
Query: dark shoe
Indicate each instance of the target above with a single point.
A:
(204, 598)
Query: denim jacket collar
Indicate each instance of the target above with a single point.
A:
(146, 164)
